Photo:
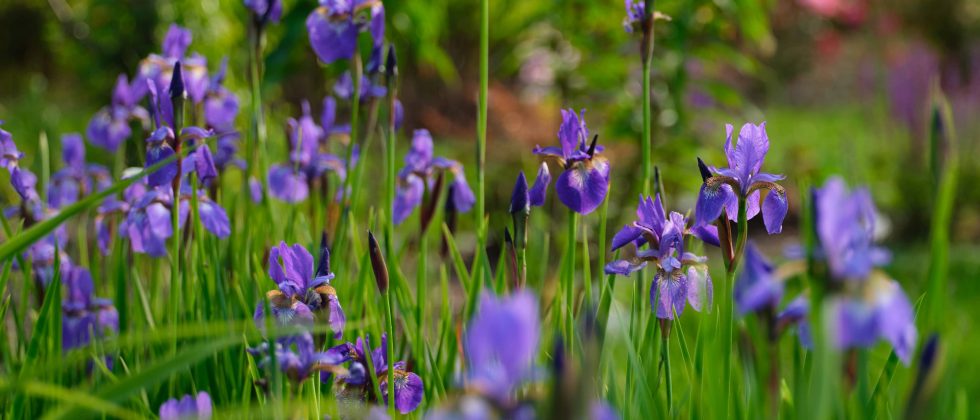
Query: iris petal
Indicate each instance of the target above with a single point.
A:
(582, 188)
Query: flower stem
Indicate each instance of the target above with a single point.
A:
(646, 141)
(390, 327)
(481, 142)
(729, 309)
(340, 233)
(665, 362)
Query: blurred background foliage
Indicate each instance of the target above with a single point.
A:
(844, 85)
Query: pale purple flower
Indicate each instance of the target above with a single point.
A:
(845, 223)
(883, 312)
(109, 127)
(635, 13)
(189, 407)
(681, 277)
(501, 344)
(724, 188)
(297, 357)
(584, 181)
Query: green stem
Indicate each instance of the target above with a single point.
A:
(569, 286)
(729, 310)
(481, 126)
(340, 233)
(646, 141)
(665, 360)
(390, 327)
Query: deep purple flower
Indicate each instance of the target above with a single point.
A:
(757, 287)
(501, 344)
(334, 25)
(539, 191)
(845, 223)
(354, 382)
(302, 292)
(420, 171)
(85, 317)
(265, 11)
(187, 408)
(743, 180)
(584, 180)
(680, 276)
(77, 178)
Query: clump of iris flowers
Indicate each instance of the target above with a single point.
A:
(187, 407)
(308, 159)
(303, 294)
(680, 276)
(584, 180)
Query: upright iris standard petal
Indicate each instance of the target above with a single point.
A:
(176, 41)
(774, 210)
(539, 191)
(582, 187)
(73, 151)
(291, 268)
(420, 155)
(572, 133)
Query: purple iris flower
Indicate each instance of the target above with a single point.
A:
(109, 127)
(158, 70)
(501, 344)
(334, 25)
(845, 223)
(290, 181)
(680, 276)
(148, 222)
(355, 381)
(85, 317)
(883, 312)
(344, 88)
(635, 13)
(187, 408)
(265, 11)
(757, 288)
(420, 172)
(584, 180)
(77, 178)
(303, 293)
(41, 255)
(9, 155)
(160, 146)
(297, 356)
(743, 180)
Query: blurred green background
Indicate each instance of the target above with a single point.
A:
(845, 87)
